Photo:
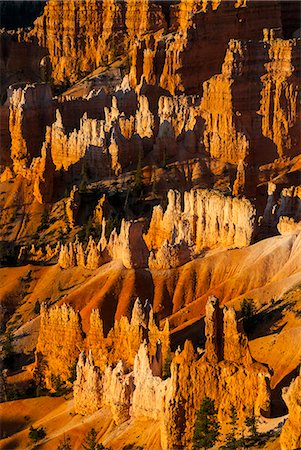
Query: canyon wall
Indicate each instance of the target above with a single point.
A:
(290, 435)
(107, 28)
(218, 136)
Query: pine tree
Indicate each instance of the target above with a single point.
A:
(206, 428)
(251, 424)
(65, 444)
(231, 441)
(90, 442)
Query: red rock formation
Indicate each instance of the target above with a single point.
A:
(31, 110)
(207, 220)
(107, 28)
(59, 344)
(291, 432)
(226, 373)
(125, 338)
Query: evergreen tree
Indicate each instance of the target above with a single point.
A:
(206, 428)
(44, 220)
(65, 444)
(231, 442)
(8, 349)
(37, 307)
(247, 308)
(90, 441)
(251, 424)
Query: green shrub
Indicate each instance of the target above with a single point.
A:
(36, 434)
(72, 370)
(248, 311)
(58, 385)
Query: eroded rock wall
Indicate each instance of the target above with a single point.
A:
(107, 27)
(207, 220)
(225, 372)
(59, 344)
(290, 435)
(31, 110)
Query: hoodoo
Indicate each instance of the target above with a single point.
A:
(150, 225)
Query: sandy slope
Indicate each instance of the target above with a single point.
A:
(56, 416)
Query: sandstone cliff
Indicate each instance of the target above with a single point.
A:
(59, 344)
(290, 437)
(107, 28)
(30, 111)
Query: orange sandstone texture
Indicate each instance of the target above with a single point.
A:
(290, 436)
(226, 372)
(61, 340)
(59, 344)
(106, 28)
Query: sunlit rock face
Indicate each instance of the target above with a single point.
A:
(175, 236)
(225, 372)
(207, 220)
(31, 110)
(59, 343)
(108, 27)
(160, 142)
(290, 434)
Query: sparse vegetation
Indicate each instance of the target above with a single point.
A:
(36, 434)
(15, 394)
(58, 385)
(247, 310)
(90, 441)
(72, 370)
(82, 186)
(112, 223)
(44, 220)
(231, 441)
(65, 444)
(251, 424)
(8, 349)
